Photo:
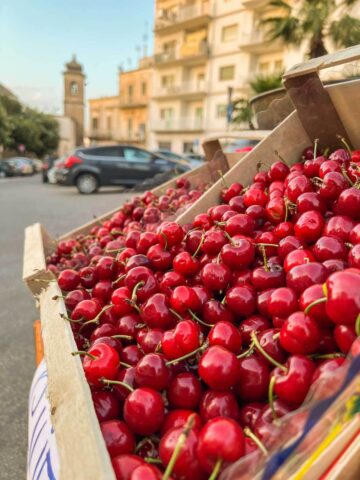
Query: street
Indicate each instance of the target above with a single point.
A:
(24, 201)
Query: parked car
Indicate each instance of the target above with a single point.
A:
(6, 170)
(124, 165)
(57, 165)
(194, 159)
(47, 164)
(21, 165)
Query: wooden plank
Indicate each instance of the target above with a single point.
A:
(37, 244)
(289, 138)
(216, 158)
(82, 451)
(331, 60)
(348, 465)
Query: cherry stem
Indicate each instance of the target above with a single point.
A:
(179, 446)
(286, 210)
(326, 152)
(143, 442)
(200, 245)
(316, 141)
(122, 337)
(230, 239)
(216, 469)
(155, 461)
(248, 351)
(344, 172)
(327, 355)
(96, 319)
(116, 250)
(263, 253)
(315, 302)
(115, 282)
(165, 240)
(197, 319)
(256, 440)
(267, 244)
(345, 143)
(276, 335)
(136, 288)
(265, 354)
(125, 365)
(280, 157)
(357, 325)
(179, 317)
(188, 355)
(105, 381)
(271, 397)
(82, 352)
(68, 319)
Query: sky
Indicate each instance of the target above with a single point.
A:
(37, 37)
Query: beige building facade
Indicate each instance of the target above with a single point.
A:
(123, 117)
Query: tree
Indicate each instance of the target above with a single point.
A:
(5, 127)
(314, 21)
(242, 112)
(264, 83)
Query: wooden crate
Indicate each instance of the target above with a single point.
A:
(80, 444)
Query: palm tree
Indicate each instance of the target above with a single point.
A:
(313, 20)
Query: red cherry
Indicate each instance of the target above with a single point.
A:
(327, 248)
(282, 302)
(344, 337)
(354, 235)
(218, 404)
(343, 299)
(253, 381)
(255, 323)
(271, 345)
(303, 276)
(268, 277)
(170, 233)
(118, 437)
(228, 193)
(240, 224)
(287, 245)
(107, 406)
(221, 441)
(297, 186)
(184, 391)
(213, 242)
(183, 299)
(144, 411)
(156, 312)
(317, 312)
(125, 465)
(340, 227)
(215, 277)
(292, 385)
(309, 226)
(278, 171)
(150, 339)
(239, 255)
(326, 369)
(151, 371)
(310, 201)
(146, 472)
(354, 256)
(185, 264)
(249, 413)
(101, 361)
(241, 300)
(127, 376)
(178, 418)
(265, 428)
(226, 335)
(219, 368)
(68, 280)
(214, 311)
(349, 203)
(185, 338)
(300, 334)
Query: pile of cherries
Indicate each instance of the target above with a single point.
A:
(197, 339)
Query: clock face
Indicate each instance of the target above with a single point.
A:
(74, 88)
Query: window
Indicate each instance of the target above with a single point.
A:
(199, 117)
(278, 66)
(164, 145)
(129, 127)
(74, 88)
(221, 111)
(95, 123)
(167, 80)
(143, 88)
(103, 151)
(136, 154)
(188, 147)
(227, 72)
(166, 113)
(229, 33)
(264, 67)
(142, 131)
(130, 91)
(108, 122)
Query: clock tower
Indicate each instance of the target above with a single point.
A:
(74, 82)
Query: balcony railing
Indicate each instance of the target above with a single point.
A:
(185, 52)
(132, 102)
(186, 88)
(184, 124)
(101, 134)
(167, 19)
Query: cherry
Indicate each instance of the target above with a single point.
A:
(343, 299)
(150, 339)
(178, 418)
(221, 441)
(282, 302)
(327, 248)
(218, 404)
(240, 224)
(125, 465)
(269, 342)
(160, 259)
(310, 201)
(287, 245)
(276, 210)
(339, 226)
(151, 371)
(184, 391)
(156, 312)
(228, 193)
(354, 235)
(219, 368)
(170, 233)
(146, 240)
(278, 171)
(303, 276)
(74, 297)
(349, 203)
(121, 299)
(183, 299)
(126, 379)
(354, 256)
(241, 300)
(326, 369)
(144, 279)
(265, 427)
(237, 204)
(203, 221)
(169, 281)
(292, 382)
(283, 230)
(106, 268)
(317, 311)
(127, 325)
(68, 280)
(309, 226)
(106, 405)
(215, 277)
(240, 255)
(249, 414)
(254, 323)
(271, 276)
(300, 334)
(255, 196)
(88, 277)
(213, 242)
(147, 471)
(182, 340)
(333, 184)
(253, 381)
(226, 335)
(297, 186)
(131, 355)
(144, 411)
(345, 336)
(185, 264)
(118, 437)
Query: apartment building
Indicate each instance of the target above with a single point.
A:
(203, 50)
(123, 117)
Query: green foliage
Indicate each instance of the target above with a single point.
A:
(38, 131)
(242, 111)
(265, 82)
(313, 20)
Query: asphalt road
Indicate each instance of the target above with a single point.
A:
(24, 201)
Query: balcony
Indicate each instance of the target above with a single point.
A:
(255, 4)
(186, 89)
(191, 16)
(190, 52)
(100, 134)
(184, 124)
(130, 102)
(257, 42)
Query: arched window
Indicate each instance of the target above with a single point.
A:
(74, 88)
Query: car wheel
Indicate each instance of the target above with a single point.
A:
(87, 183)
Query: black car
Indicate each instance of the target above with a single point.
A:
(123, 165)
(6, 170)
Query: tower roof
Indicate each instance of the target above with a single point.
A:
(74, 65)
